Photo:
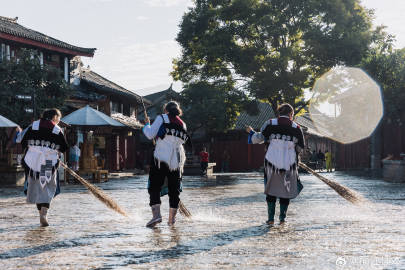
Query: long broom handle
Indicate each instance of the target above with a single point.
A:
(97, 192)
(343, 191)
(146, 116)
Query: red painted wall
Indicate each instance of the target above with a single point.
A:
(244, 157)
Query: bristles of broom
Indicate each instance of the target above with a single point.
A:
(97, 192)
(343, 191)
(183, 210)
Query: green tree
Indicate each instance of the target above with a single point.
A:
(387, 67)
(27, 88)
(270, 50)
(209, 107)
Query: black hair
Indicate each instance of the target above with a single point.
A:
(173, 108)
(48, 114)
(285, 109)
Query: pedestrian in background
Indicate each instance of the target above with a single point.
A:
(74, 156)
(328, 160)
(204, 158)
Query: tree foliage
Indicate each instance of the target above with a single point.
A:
(270, 50)
(27, 88)
(387, 67)
(209, 107)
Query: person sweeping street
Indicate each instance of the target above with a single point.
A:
(285, 140)
(168, 159)
(43, 142)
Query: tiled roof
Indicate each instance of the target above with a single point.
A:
(157, 100)
(158, 96)
(82, 94)
(309, 127)
(11, 27)
(131, 122)
(255, 121)
(106, 85)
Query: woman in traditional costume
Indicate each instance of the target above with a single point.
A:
(285, 141)
(168, 159)
(43, 141)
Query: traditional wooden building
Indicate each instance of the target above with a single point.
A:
(157, 100)
(13, 38)
(51, 51)
(116, 146)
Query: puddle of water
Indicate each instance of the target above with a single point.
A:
(227, 230)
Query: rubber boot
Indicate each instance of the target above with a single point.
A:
(271, 210)
(172, 216)
(157, 217)
(42, 217)
(283, 212)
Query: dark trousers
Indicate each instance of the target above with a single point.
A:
(204, 166)
(39, 205)
(274, 199)
(157, 177)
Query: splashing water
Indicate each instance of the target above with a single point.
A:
(227, 230)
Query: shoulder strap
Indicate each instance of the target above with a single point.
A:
(165, 118)
(35, 125)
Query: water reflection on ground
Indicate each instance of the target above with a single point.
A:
(227, 230)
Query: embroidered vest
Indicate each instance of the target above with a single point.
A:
(42, 156)
(281, 152)
(169, 145)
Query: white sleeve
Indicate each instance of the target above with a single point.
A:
(151, 131)
(257, 138)
(21, 134)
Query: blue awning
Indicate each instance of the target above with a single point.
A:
(4, 122)
(87, 116)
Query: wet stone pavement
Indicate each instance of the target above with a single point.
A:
(227, 230)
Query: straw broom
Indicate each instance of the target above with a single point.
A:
(343, 191)
(97, 192)
(182, 208)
